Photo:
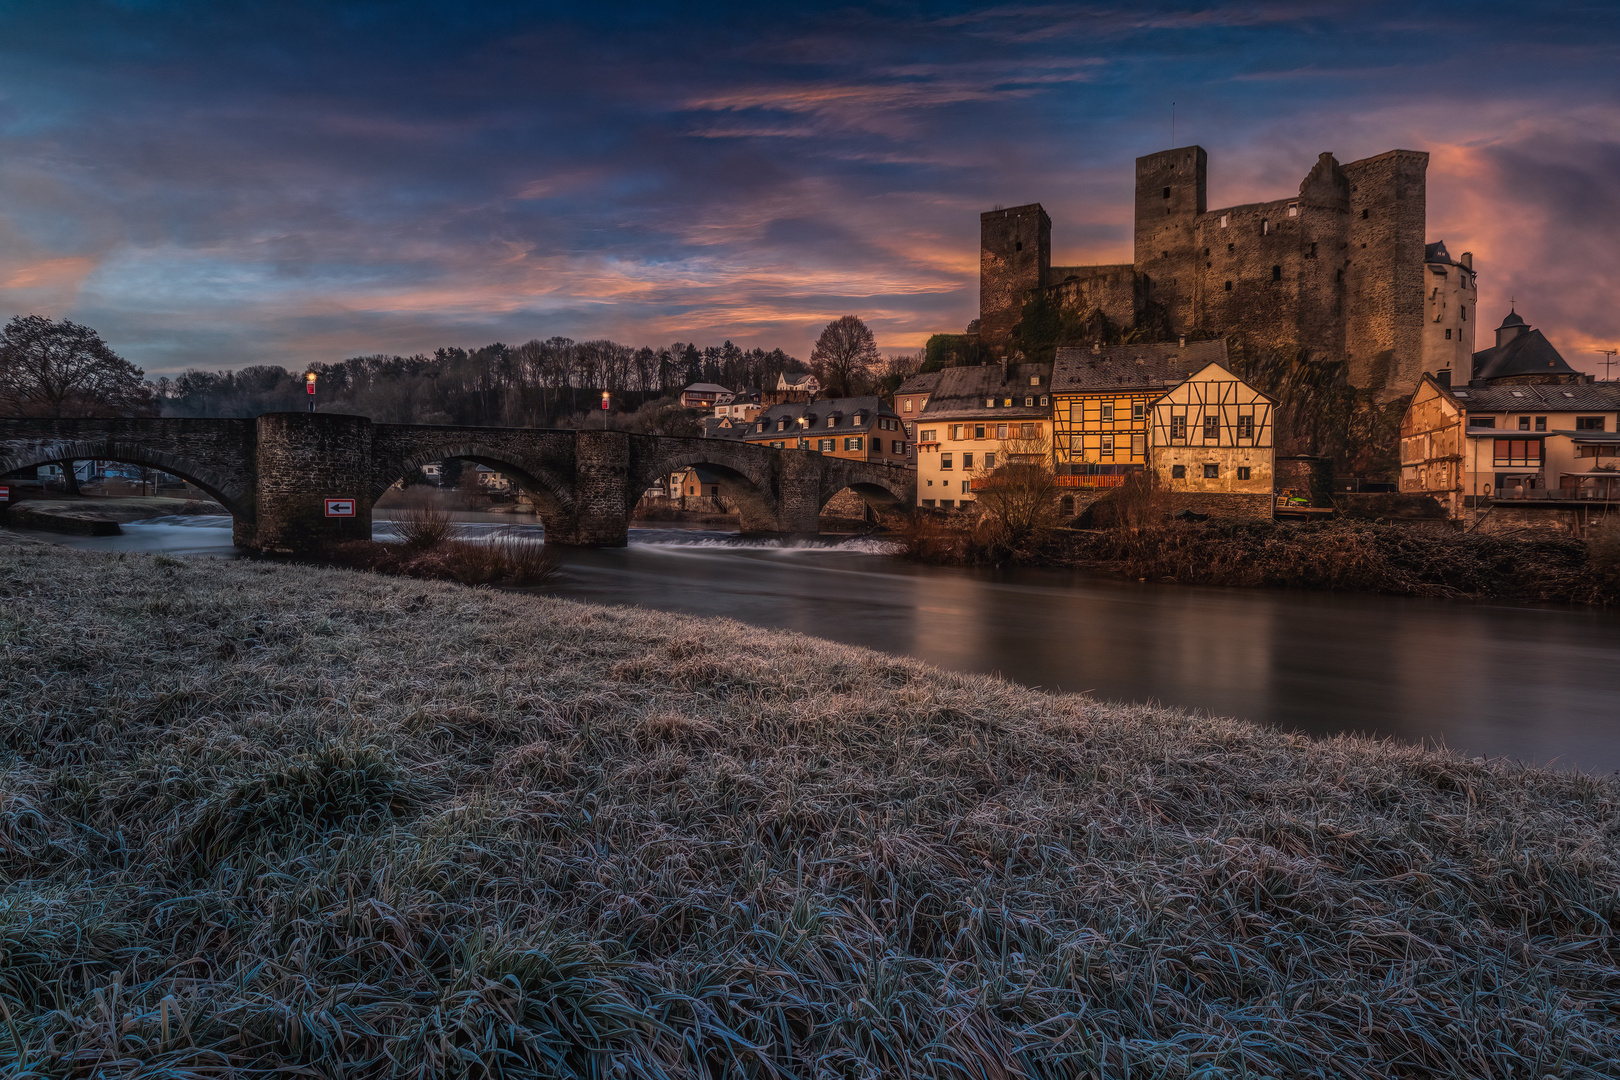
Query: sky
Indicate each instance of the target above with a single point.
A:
(221, 184)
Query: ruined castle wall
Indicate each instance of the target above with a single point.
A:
(1170, 196)
(1015, 255)
(1250, 280)
(1114, 290)
(1384, 272)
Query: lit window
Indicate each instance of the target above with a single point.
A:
(1293, 209)
(1224, 220)
(908, 405)
(855, 443)
(1034, 380)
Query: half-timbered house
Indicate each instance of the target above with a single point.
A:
(1212, 446)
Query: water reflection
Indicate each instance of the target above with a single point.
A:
(1531, 684)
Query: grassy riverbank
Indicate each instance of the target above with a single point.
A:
(262, 816)
(1338, 556)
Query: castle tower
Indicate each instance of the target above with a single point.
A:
(1384, 270)
(1170, 195)
(1015, 257)
(1449, 315)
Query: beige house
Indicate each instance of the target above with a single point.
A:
(1212, 445)
(976, 418)
(1433, 448)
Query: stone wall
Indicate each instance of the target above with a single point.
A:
(1015, 254)
(1170, 196)
(301, 460)
(1220, 506)
(1384, 272)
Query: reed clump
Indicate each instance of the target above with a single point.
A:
(270, 819)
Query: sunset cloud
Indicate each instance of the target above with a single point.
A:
(226, 185)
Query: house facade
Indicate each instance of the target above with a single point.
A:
(976, 418)
(1212, 446)
(1102, 399)
(705, 396)
(857, 428)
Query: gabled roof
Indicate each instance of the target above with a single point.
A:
(923, 383)
(715, 427)
(963, 391)
(818, 411)
(1155, 366)
(1573, 397)
(705, 388)
(1527, 353)
(1215, 371)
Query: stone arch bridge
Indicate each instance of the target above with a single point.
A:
(274, 473)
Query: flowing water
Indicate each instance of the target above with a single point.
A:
(1534, 684)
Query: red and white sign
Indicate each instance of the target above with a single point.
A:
(5, 493)
(340, 508)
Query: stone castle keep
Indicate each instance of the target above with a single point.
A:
(1342, 270)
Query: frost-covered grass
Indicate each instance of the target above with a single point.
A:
(261, 817)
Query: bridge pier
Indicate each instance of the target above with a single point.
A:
(301, 460)
(799, 493)
(602, 502)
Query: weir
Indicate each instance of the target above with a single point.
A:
(297, 482)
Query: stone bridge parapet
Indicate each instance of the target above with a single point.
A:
(279, 474)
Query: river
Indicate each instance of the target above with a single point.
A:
(1538, 685)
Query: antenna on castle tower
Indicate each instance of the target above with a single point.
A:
(1172, 125)
(1608, 361)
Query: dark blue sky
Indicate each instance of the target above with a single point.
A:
(218, 184)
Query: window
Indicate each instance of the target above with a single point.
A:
(928, 502)
(1001, 431)
(1029, 431)
(1518, 452)
(1276, 273)
(967, 461)
(1007, 402)
(1462, 312)
(1524, 423)
(1312, 253)
(1034, 380)
(1448, 335)
(1178, 427)
(945, 461)
(1178, 472)
(947, 504)
(1541, 423)
(1028, 402)
(1108, 412)
(804, 444)
(956, 432)
(781, 423)
(1138, 410)
(1138, 446)
(1044, 400)
(854, 443)
(1228, 286)
(1019, 246)
(1077, 413)
(908, 405)
(966, 484)
(1482, 421)
(1293, 209)
(1077, 443)
(826, 446)
(897, 447)
(1211, 470)
(989, 461)
(1230, 247)
(1364, 215)
(1245, 427)
(927, 435)
(1224, 223)
(832, 421)
(1589, 423)
(1265, 227)
(1212, 428)
(978, 431)
(1167, 193)
(1107, 446)
(990, 403)
(1243, 472)
(776, 446)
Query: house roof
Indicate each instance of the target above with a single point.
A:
(963, 391)
(1573, 397)
(1155, 366)
(817, 412)
(924, 383)
(1599, 438)
(724, 427)
(1528, 353)
(706, 388)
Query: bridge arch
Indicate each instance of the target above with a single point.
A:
(743, 480)
(553, 500)
(875, 484)
(218, 485)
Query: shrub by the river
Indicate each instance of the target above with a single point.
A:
(269, 819)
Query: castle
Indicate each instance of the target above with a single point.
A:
(1342, 270)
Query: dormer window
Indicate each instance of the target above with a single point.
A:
(1034, 380)
(990, 403)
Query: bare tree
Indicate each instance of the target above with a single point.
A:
(1017, 498)
(61, 369)
(844, 356)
